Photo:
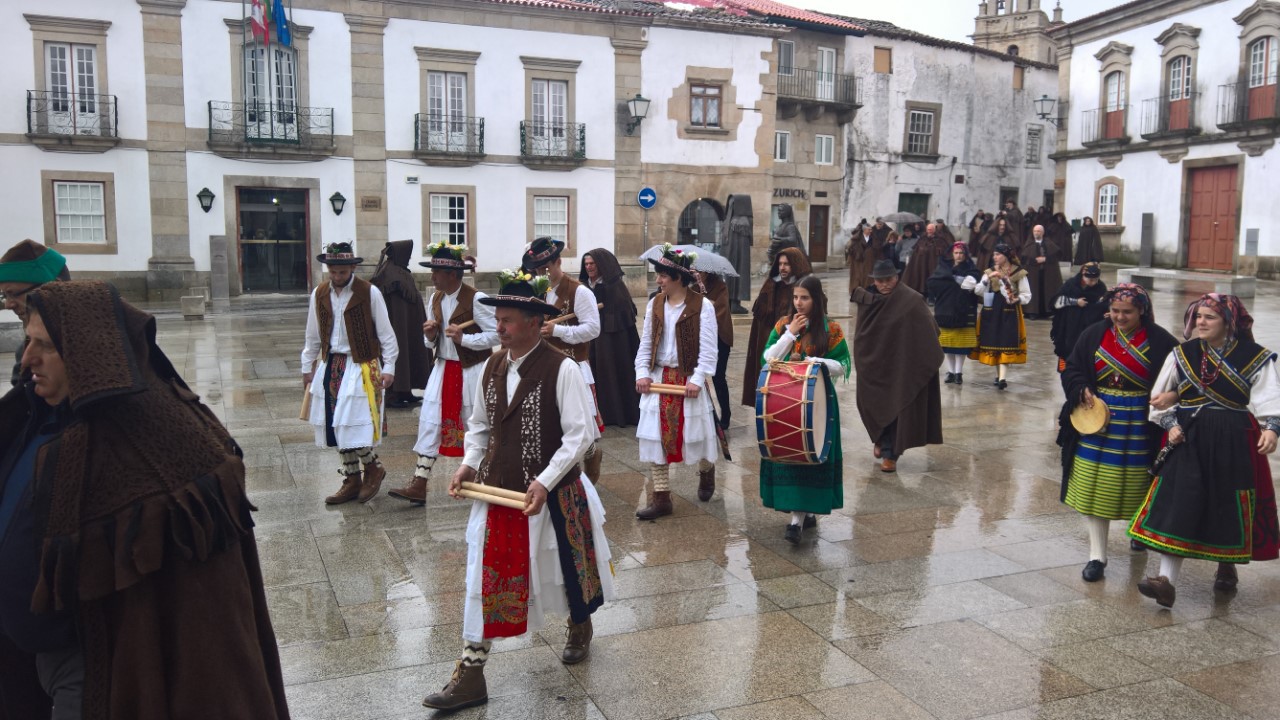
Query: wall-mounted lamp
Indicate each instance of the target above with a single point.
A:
(1044, 111)
(638, 106)
(338, 202)
(205, 196)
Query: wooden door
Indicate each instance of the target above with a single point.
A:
(1211, 240)
(819, 220)
(1180, 114)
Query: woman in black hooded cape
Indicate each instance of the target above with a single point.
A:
(1089, 244)
(613, 354)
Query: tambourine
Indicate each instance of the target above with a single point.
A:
(1091, 420)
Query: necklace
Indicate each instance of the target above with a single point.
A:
(1207, 374)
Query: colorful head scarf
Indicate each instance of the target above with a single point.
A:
(1006, 250)
(1239, 322)
(961, 246)
(1135, 294)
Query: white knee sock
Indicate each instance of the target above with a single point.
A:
(1098, 528)
(661, 478)
(797, 518)
(1000, 371)
(425, 463)
(959, 361)
(1170, 567)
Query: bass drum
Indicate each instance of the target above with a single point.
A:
(793, 419)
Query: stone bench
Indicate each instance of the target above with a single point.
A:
(1238, 285)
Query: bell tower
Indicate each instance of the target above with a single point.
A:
(1017, 27)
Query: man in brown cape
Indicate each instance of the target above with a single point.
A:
(896, 355)
(924, 259)
(773, 302)
(128, 565)
(408, 314)
(864, 249)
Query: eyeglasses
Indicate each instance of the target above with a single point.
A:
(4, 296)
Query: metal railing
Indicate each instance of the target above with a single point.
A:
(1101, 125)
(305, 127)
(818, 86)
(1166, 115)
(553, 140)
(1239, 104)
(455, 135)
(56, 112)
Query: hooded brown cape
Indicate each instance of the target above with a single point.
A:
(773, 302)
(613, 354)
(147, 533)
(407, 313)
(1089, 245)
(924, 260)
(1046, 279)
(896, 355)
(862, 256)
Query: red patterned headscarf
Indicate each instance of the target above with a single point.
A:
(1233, 313)
(1135, 294)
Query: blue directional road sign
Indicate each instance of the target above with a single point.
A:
(646, 198)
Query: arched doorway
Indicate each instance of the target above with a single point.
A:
(700, 223)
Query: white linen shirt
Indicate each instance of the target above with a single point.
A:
(339, 298)
(483, 314)
(584, 306)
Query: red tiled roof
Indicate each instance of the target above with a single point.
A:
(567, 5)
(778, 10)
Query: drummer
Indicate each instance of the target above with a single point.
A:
(808, 490)
(677, 347)
(1104, 474)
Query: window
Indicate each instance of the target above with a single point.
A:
(551, 218)
(786, 57)
(883, 62)
(446, 101)
(920, 132)
(72, 80)
(1115, 91)
(782, 146)
(704, 106)
(826, 79)
(270, 91)
(1180, 78)
(1108, 204)
(1035, 134)
(1263, 65)
(448, 218)
(824, 150)
(446, 105)
(1019, 77)
(70, 97)
(80, 212)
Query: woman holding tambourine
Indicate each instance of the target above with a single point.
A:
(1107, 442)
(1002, 333)
(808, 335)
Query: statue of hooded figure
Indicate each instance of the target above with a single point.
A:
(737, 240)
(787, 235)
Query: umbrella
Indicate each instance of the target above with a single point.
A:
(902, 217)
(706, 261)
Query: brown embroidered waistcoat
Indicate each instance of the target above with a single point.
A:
(524, 434)
(566, 291)
(463, 312)
(688, 330)
(362, 333)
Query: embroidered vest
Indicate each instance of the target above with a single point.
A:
(688, 330)
(463, 312)
(566, 291)
(362, 333)
(524, 434)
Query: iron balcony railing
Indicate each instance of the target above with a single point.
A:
(1166, 115)
(58, 112)
(1239, 104)
(454, 135)
(819, 86)
(264, 123)
(1102, 125)
(553, 140)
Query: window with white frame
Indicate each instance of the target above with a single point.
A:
(71, 78)
(782, 146)
(1035, 145)
(449, 218)
(80, 212)
(786, 57)
(551, 217)
(446, 111)
(1108, 204)
(920, 132)
(1116, 92)
(1264, 62)
(824, 150)
(704, 106)
(1180, 78)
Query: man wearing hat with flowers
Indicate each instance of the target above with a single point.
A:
(572, 337)
(463, 334)
(23, 268)
(677, 347)
(349, 332)
(528, 434)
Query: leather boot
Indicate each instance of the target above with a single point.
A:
(577, 643)
(349, 491)
(659, 505)
(415, 492)
(591, 466)
(1159, 589)
(706, 483)
(465, 689)
(1226, 579)
(373, 475)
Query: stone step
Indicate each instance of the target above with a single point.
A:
(1227, 284)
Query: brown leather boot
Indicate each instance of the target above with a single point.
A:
(1226, 579)
(888, 465)
(373, 475)
(349, 491)
(465, 689)
(1159, 589)
(415, 492)
(577, 644)
(706, 483)
(591, 466)
(659, 505)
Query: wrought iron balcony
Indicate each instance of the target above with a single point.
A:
(57, 113)
(1104, 127)
(248, 125)
(815, 86)
(1167, 116)
(1241, 106)
(552, 143)
(450, 139)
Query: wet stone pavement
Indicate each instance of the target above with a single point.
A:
(948, 590)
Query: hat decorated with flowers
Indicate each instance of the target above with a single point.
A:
(542, 251)
(340, 253)
(675, 259)
(521, 290)
(447, 256)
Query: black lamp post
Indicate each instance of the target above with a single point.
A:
(205, 196)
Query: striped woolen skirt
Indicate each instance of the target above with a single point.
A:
(1109, 474)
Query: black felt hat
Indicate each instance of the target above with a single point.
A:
(523, 291)
(884, 269)
(339, 254)
(447, 256)
(542, 250)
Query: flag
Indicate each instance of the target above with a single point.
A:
(259, 24)
(282, 23)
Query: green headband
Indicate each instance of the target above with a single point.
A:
(41, 270)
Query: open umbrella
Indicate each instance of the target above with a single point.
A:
(706, 261)
(902, 217)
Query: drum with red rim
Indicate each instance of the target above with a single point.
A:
(793, 412)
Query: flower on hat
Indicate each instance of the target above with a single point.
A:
(456, 250)
(539, 283)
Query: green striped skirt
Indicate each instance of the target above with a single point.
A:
(1109, 473)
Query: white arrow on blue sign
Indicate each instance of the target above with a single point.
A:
(646, 198)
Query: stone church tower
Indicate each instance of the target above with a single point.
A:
(1017, 27)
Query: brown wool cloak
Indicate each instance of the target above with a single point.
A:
(987, 245)
(1046, 279)
(924, 260)
(147, 532)
(862, 256)
(773, 302)
(407, 313)
(718, 293)
(896, 355)
(613, 354)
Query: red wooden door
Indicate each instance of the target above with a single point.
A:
(819, 221)
(1114, 125)
(1180, 114)
(1211, 240)
(1262, 102)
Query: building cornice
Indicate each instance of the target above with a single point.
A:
(371, 24)
(1110, 23)
(462, 57)
(1176, 29)
(163, 7)
(83, 26)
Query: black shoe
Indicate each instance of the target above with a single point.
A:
(951, 378)
(738, 309)
(996, 382)
(1094, 570)
(1001, 384)
(959, 378)
(810, 521)
(1136, 546)
(793, 534)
